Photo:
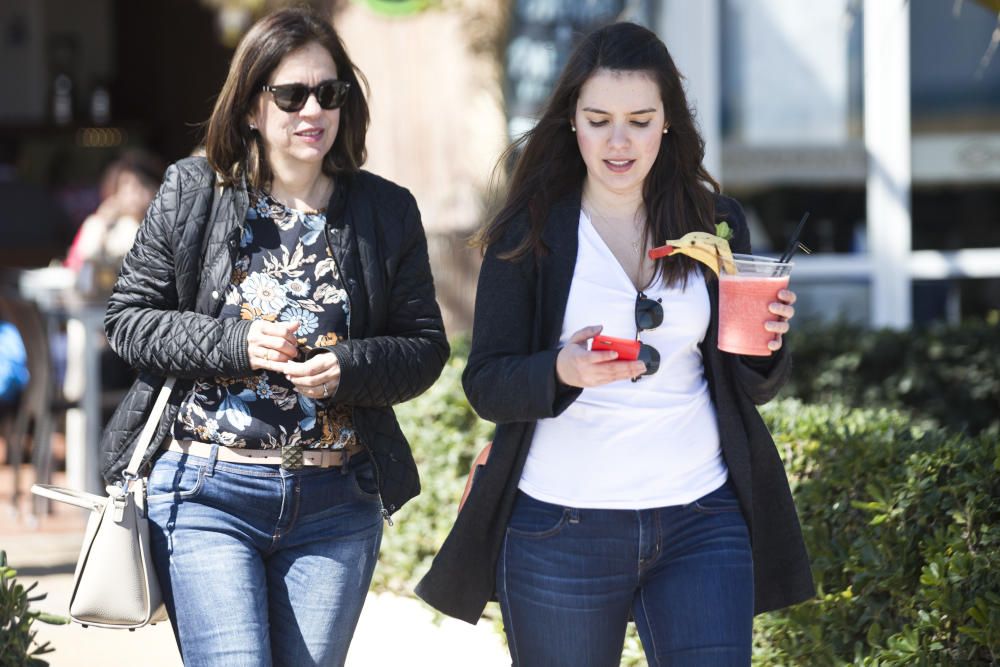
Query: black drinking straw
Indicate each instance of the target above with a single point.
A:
(794, 243)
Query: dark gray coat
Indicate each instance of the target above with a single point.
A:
(511, 380)
(163, 315)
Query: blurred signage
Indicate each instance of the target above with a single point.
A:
(542, 36)
(936, 159)
(744, 165)
(957, 158)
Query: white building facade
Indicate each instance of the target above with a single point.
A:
(881, 117)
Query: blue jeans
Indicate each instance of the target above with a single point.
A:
(568, 579)
(260, 565)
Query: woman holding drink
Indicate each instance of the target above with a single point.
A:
(614, 487)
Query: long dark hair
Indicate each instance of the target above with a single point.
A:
(677, 192)
(233, 150)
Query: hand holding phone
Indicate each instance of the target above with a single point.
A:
(627, 349)
(578, 366)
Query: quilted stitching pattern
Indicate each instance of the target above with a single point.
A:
(150, 319)
(399, 358)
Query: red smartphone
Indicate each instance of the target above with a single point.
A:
(627, 349)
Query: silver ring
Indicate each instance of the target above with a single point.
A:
(268, 356)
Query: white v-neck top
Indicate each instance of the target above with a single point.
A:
(631, 445)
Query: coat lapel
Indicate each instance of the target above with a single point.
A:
(224, 220)
(557, 267)
(349, 227)
(732, 433)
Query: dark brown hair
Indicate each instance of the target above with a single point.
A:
(147, 167)
(677, 192)
(233, 150)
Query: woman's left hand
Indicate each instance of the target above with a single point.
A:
(784, 310)
(317, 378)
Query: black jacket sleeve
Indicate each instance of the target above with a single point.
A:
(404, 360)
(504, 380)
(760, 378)
(142, 322)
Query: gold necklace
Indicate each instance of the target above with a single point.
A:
(593, 214)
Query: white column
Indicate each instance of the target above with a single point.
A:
(691, 33)
(84, 330)
(887, 140)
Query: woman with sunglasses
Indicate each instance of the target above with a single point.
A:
(291, 295)
(616, 488)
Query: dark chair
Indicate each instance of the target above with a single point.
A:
(40, 403)
(11, 409)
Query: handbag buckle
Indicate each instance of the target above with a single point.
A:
(118, 495)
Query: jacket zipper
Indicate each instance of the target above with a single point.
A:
(350, 310)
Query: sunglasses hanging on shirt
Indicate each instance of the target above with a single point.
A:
(291, 97)
(648, 316)
(648, 313)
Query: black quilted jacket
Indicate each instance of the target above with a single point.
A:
(163, 315)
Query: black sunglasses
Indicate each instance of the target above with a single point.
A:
(648, 313)
(648, 316)
(292, 97)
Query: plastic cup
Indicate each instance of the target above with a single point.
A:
(744, 298)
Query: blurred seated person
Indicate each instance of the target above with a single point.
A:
(105, 237)
(127, 188)
(13, 376)
(13, 364)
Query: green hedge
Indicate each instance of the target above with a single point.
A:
(948, 373)
(902, 523)
(901, 517)
(445, 435)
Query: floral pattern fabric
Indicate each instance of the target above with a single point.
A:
(283, 272)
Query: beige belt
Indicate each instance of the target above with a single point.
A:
(323, 458)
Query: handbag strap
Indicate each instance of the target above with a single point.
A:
(146, 436)
(87, 501)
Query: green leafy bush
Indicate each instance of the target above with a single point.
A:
(445, 434)
(948, 373)
(901, 516)
(902, 522)
(17, 638)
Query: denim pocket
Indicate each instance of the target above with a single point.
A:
(365, 483)
(722, 500)
(535, 519)
(175, 477)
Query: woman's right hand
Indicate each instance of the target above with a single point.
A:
(271, 344)
(579, 367)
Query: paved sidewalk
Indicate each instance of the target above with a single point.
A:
(393, 630)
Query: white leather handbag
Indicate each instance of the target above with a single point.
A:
(115, 585)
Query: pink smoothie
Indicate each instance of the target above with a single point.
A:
(743, 302)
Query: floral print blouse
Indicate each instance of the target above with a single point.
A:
(283, 272)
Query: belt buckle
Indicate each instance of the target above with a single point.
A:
(292, 457)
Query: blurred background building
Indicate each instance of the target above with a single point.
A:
(881, 117)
